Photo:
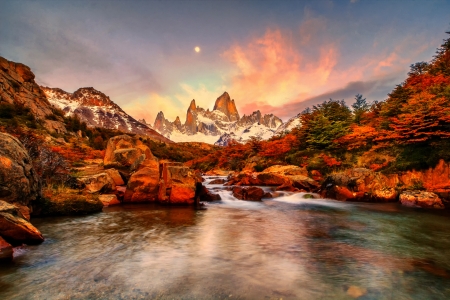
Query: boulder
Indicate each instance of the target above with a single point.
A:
(143, 185)
(115, 176)
(385, 195)
(109, 200)
(421, 199)
(125, 152)
(180, 183)
(207, 195)
(251, 193)
(6, 251)
(98, 183)
(19, 182)
(182, 194)
(359, 184)
(15, 229)
(218, 181)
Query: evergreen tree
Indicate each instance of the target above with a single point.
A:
(359, 108)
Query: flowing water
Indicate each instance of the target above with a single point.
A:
(283, 248)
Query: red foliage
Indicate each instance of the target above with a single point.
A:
(277, 148)
(330, 161)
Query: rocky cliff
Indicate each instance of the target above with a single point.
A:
(18, 88)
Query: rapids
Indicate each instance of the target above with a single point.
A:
(287, 247)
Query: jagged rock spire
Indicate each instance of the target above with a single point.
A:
(227, 106)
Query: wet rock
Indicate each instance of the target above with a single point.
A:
(287, 188)
(218, 181)
(19, 182)
(109, 200)
(6, 251)
(15, 229)
(207, 195)
(252, 193)
(421, 199)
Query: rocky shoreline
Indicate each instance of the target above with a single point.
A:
(132, 174)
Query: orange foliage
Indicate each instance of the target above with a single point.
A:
(330, 161)
(358, 137)
(279, 147)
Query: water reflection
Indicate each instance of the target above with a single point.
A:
(288, 247)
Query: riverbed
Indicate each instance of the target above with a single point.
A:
(288, 247)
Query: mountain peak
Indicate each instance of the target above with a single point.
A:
(192, 106)
(227, 106)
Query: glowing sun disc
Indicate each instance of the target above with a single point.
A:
(197, 49)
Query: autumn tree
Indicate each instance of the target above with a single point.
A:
(359, 108)
(325, 123)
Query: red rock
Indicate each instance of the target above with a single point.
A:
(143, 185)
(109, 200)
(421, 199)
(17, 230)
(207, 195)
(115, 176)
(252, 193)
(182, 194)
(227, 106)
(6, 251)
(218, 181)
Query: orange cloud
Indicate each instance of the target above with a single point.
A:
(272, 70)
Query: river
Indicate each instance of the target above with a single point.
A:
(283, 248)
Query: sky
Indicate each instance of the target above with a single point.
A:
(274, 56)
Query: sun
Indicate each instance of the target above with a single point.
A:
(197, 49)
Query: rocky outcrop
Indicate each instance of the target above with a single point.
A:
(360, 184)
(251, 193)
(421, 199)
(227, 106)
(18, 88)
(126, 153)
(19, 182)
(15, 229)
(287, 177)
(269, 120)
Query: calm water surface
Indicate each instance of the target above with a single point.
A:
(288, 247)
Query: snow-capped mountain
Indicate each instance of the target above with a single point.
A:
(98, 110)
(290, 124)
(218, 126)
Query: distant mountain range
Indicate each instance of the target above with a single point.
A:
(218, 126)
